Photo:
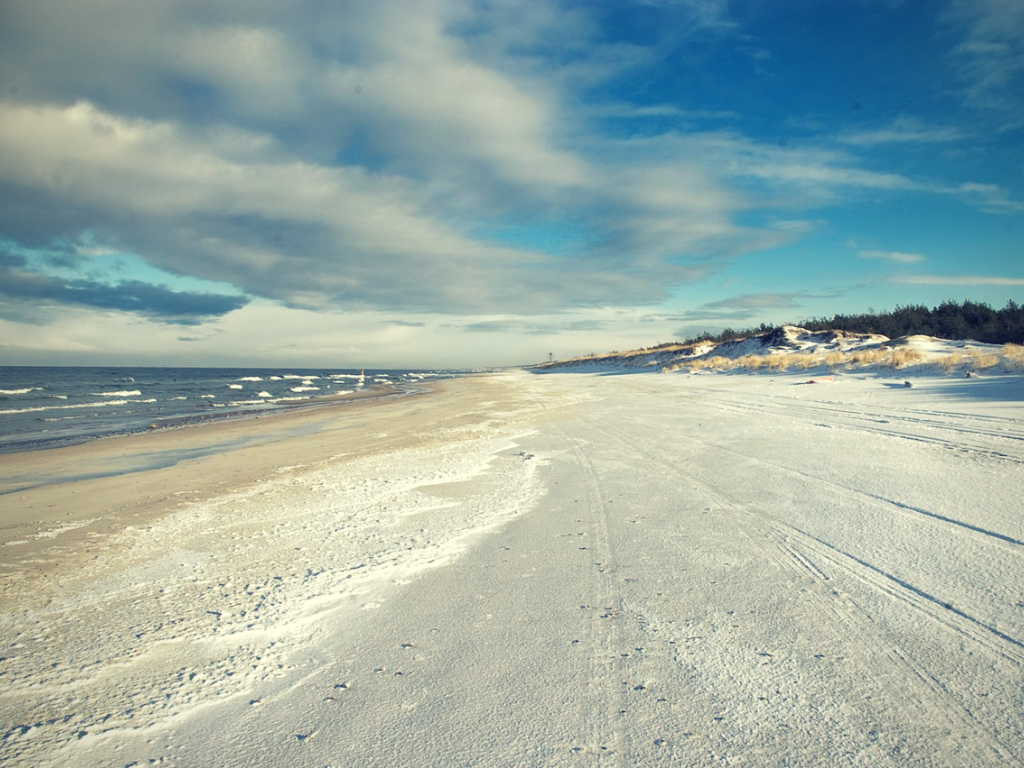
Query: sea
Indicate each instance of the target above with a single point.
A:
(44, 407)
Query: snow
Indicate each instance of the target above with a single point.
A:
(564, 569)
(789, 347)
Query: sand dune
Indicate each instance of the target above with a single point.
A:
(789, 348)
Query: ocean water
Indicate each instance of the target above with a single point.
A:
(42, 407)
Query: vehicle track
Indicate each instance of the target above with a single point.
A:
(1005, 438)
(1009, 647)
(1011, 544)
(824, 564)
(603, 614)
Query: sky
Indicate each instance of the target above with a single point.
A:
(462, 183)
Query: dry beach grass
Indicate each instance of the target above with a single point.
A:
(1009, 359)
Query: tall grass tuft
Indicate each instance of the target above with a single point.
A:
(1013, 357)
(805, 360)
(751, 362)
(981, 361)
(835, 359)
(905, 356)
(869, 356)
(950, 362)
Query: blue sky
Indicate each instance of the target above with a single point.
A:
(448, 183)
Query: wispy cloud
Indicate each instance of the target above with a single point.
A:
(991, 198)
(989, 59)
(758, 301)
(697, 15)
(746, 309)
(549, 327)
(903, 131)
(627, 111)
(815, 170)
(893, 256)
(958, 280)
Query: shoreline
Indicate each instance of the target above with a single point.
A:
(204, 417)
(59, 501)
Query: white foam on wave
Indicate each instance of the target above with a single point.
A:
(118, 393)
(306, 397)
(234, 386)
(249, 378)
(99, 404)
(19, 391)
(305, 389)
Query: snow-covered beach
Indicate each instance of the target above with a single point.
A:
(524, 570)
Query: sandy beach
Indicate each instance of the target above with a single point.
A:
(530, 570)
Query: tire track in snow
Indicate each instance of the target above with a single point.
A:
(798, 552)
(879, 645)
(952, 618)
(1008, 543)
(603, 610)
(1004, 644)
(984, 535)
(1003, 427)
(863, 421)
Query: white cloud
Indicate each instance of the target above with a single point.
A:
(960, 280)
(903, 131)
(894, 256)
(989, 60)
(136, 168)
(345, 159)
(991, 198)
(355, 156)
(774, 177)
(275, 335)
(698, 15)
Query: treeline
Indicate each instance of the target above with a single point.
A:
(950, 320)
